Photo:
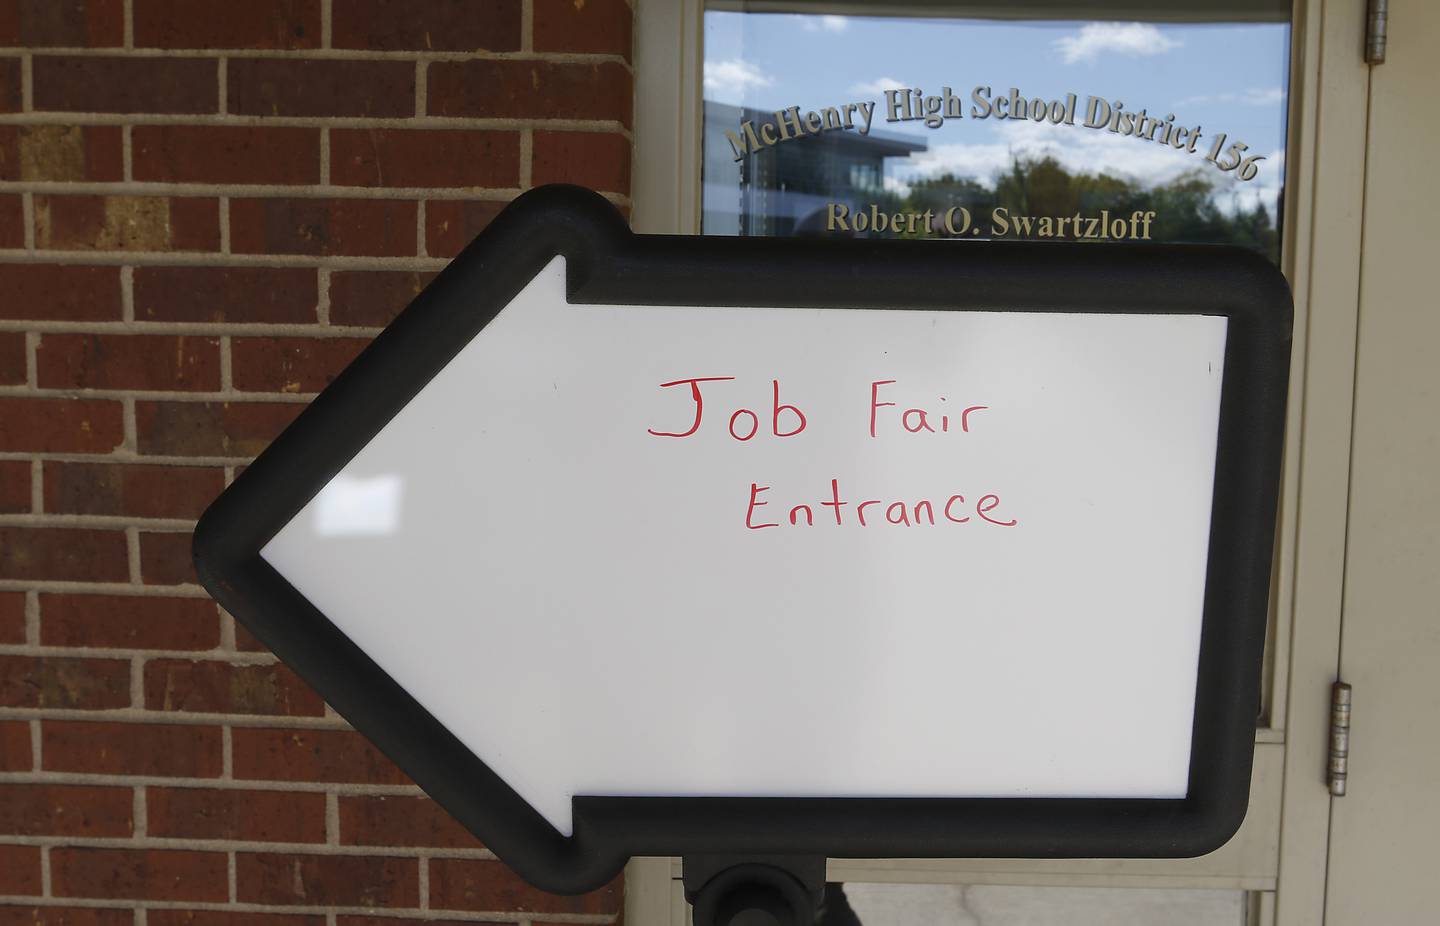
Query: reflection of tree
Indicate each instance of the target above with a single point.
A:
(1185, 208)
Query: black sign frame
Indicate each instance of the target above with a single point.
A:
(607, 264)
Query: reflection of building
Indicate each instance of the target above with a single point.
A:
(775, 189)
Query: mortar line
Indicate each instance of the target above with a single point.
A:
(222, 86)
(27, 215)
(137, 682)
(422, 84)
(32, 360)
(32, 620)
(327, 24)
(68, 118)
(141, 812)
(127, 294)
(130, 441)
(37, 486)
(127, 152)
(322, 293)
(132, 553)
(224, 212)
(330, 54)
(27, 81)
(129, 27)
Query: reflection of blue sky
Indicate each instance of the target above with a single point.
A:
(1226, 78)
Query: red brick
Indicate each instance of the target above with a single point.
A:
(130, 748)
(424, 158)
(372, 298)
(129, 621)
(311, 755)
(378, 820)
(60, 554)
(65, 916)
(598, 160)
(483, 885)
(323, 227)
(19, 870)
(136, 490)
(427, 25)
(451, 224)
(57, 153)
(223, 429)
(231, 918)
(397, 921)
(339, 880)
(126, 85)
(127, 223)
(126, 361)
(64, 682)
(257, 816)
(60, 425)
(224, 688)
(292, 364)
(12, 358)
(12, 617)
(66, 810)
(596, 27)
(251, 24)
(57, 292)
(15, 755)
(268, 295)
(139, 874)
(10, 101)
(247, 642)
(325, 87)
(165, 560)
(226, 154)
(12, 222)
(72, 23)
(530, 89)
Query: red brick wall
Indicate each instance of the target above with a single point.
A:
(206, 208)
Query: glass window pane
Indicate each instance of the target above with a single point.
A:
(860, 904)
(977, 127)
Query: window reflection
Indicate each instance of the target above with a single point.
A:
(999, 128)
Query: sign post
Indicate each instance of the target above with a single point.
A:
(736, 548)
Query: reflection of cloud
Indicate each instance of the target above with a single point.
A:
(1096, 39)
(824, 23)
(877, 87)
(357, 506)
(728, 81)
(897, 186)
(1252, 96)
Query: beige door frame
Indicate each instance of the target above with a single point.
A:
(1281, 850)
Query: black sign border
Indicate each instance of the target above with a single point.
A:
(607, 264)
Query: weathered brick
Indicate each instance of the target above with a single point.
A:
(291, 364)
(221, 429)
(251, 24)
(99, 84)
(163, 362)
(102, 748)
(65, 916)
(310, 755)
(12, 222)
(530, 89)
(139, 874)
(312, 880)
(258, 816)
(64, 682)
(226, 154)
(596, 26)
(10, 85)
(157, 917)
(384, 820)
(452, 224)
(372, 298)
(59, 292)
(63, 153)
(12, 617)
(127, 223)
(427, 25)
(424, 158)
(598, 160)
(62, 554)
(60, 425)
(71, 23)
(483, 885)
(135, 490)
(165, 560)
(20, 870)
(12, 358)
(225, 688)
(129, 622)
(66, 810)
(231, 295)
(320, 87)
(323, 227)
(15, 753)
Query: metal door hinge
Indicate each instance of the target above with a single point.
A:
(1339, 737)
(1377, 14)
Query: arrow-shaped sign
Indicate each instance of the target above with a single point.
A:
(644, 545)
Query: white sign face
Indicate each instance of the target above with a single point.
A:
(779, 552)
